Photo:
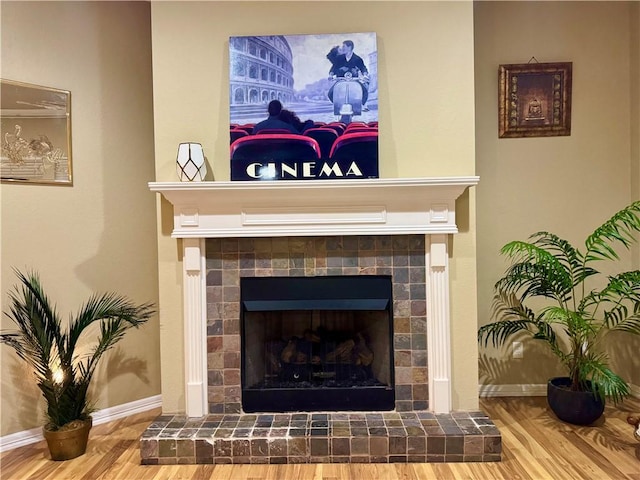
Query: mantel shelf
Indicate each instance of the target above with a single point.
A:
(328, 207)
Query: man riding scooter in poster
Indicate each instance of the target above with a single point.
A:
(348, 69)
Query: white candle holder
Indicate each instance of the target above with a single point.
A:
(190, 162)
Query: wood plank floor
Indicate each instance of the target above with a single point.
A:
(535, 446)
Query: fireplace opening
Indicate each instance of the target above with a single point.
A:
(317, 343)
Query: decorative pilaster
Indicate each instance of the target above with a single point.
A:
(195, 326)
(438, 327)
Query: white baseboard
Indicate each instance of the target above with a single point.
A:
(528, 390)
(27, 437)
(126, 409)
(513, 390)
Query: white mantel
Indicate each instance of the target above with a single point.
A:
(303, 208)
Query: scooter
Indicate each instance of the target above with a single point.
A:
(347, 96)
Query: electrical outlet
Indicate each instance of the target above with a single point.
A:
(517, 351)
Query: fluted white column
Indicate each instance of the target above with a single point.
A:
(438, 327)
(195, 326)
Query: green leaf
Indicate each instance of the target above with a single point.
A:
(535, 272)
(605, 383)
(620, 228)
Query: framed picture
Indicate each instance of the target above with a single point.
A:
(303, 107)
(35, 123)
(535, 100)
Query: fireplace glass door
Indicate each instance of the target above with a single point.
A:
(317, 343)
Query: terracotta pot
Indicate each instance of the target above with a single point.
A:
(68, 444)
(578, 408)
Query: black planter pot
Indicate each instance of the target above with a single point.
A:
(578, 408)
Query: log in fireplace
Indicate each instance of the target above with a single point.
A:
(317, 343)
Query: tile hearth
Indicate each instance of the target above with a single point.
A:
(334, 437)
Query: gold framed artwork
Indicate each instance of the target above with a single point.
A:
(35, 123)
(534, 100)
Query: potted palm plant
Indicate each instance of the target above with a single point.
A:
(580, 308)
(62, 374)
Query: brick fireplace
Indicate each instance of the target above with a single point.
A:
(398, 228)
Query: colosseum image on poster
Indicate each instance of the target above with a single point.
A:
(303, 107)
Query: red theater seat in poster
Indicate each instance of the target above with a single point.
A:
(360, 129)
(275, 147)
(235, 134)
(325, 138)
(353, 125)
(268, 131)
(360, 146)
(339, 129)
(247, 127)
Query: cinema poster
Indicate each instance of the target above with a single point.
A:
(303, 107)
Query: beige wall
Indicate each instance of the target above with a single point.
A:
(630, 347)
(634, 103)
(566, 185)
(426, 112)
(98, 235)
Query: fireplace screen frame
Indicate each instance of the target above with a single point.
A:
(328, 293)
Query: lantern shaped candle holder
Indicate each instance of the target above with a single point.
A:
(190, 162)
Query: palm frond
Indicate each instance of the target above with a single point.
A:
(575, 324)
(620, 228)
(619, 301)
(106, 307)
(535, 272)
(513, 317)
(565, 253)
(604, 382)
(112, 330)
(38, 337)
(622, 287)
(535, 279)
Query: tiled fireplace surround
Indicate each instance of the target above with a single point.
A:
(400, 256)
(236, 229)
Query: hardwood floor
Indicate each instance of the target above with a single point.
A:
(535, 446)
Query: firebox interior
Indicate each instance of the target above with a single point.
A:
(317, 343)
